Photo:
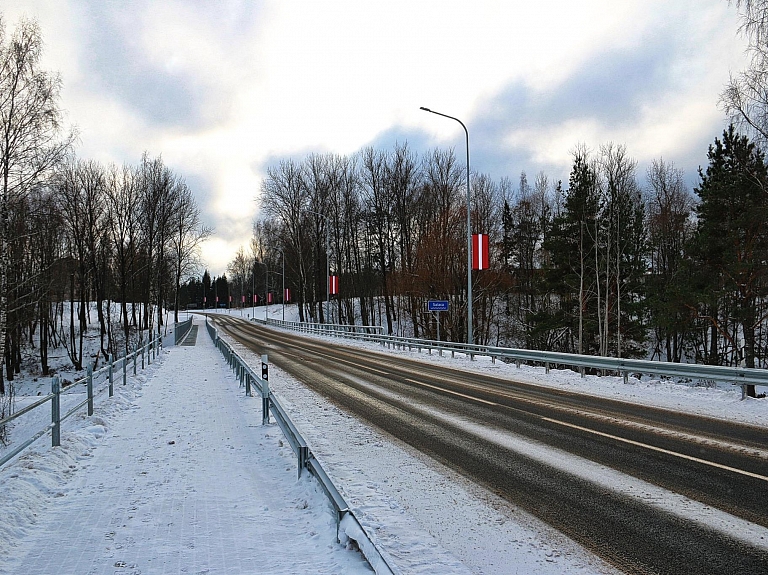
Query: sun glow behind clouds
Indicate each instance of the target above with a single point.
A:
(220, 89)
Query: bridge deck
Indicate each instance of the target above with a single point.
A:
(185, 480)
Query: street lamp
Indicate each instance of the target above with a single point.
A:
(327, 263)
(469, 231)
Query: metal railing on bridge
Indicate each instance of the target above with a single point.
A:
(742, 376)
(332, 328)
(147, 352)
(249, 378)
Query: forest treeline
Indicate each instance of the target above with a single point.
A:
(614, 262)
(78, 237)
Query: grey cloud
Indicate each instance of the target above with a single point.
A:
(116, 64)
(611, 89)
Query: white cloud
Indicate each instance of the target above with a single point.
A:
(254, 80)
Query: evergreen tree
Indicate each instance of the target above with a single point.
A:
(207, 291)
(572, 324)
(670, 227)
(221, 291)
(732, 245)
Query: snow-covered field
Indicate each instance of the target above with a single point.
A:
(427, 518)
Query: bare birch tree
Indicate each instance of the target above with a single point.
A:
(745, 97)
(187, 234)
(31, 141)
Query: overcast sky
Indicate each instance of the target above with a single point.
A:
(223, 88)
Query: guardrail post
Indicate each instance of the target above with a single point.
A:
(248, 385)
(111, 379)
(125, 368)
(89, 384)
(303, 457)
(143, 349)
(582, 371)
(546, 367)
(56, 412)
(743, 391)
(626, 377)
(265, 390)
(135, 353)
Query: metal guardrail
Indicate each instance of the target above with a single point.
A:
(327, 327)
(180, 330)
(248, 378)
(149, 351)
(742, 376)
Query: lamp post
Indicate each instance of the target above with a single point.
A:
(470, 340)
(327, 263)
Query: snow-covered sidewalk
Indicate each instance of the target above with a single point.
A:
(179, 478)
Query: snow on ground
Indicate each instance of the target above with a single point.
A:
(174, 474)
(160, 481)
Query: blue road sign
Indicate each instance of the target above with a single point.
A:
(437, 305)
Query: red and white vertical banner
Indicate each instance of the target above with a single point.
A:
(205, 299)
(243, 299)
(286, 295)
(255, 298)
(230, 299)
(269, 297)
(333, 285)
(217, 299)
(480, 253)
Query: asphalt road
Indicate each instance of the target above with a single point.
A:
(483, 427)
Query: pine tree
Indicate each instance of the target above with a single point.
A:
(207, 291)
(732, 243)
(571, 247)
(670, 226)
